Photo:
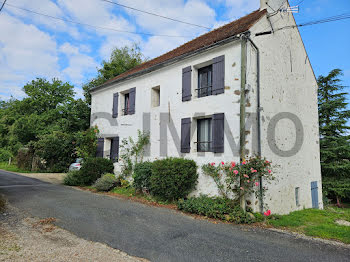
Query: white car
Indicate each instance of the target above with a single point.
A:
(76, 165)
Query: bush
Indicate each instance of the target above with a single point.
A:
(173, 178)
(91, 170)
(5, 155)
(106, 182)
(142, 176)
(94, 168)
(25, 158)
(215, 207)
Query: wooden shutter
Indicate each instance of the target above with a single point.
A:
(218, 133)
(132, 94)
(218, 75)
(314, 194)
(185, 135)
(114, 154)
(115, 105)
(186, 84)
(100, 147)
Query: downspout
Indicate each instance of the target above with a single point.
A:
(258, 110)
(242, 109)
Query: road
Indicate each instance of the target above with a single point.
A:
(157, 234)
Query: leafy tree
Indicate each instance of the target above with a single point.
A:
(121, 60)
(334, 137)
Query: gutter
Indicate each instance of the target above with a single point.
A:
(167, 62)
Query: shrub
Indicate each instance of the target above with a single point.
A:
(142, 175)
(94, 168)
(25, 158)
(106, 182)
(74, 178)
(173, 178)
(215, 207)
(5, 155)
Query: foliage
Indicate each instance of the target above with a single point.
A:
(131, 152)
(86, 143)
(94, 168)
(142, 176)
(121, 60)
(57, 149)
(215, 207)
(106, 182)
(74, 178)
(240, 179)
(334, 138)
(173, 178)
(5, 154)
(25, 158)
(316, 223)
(13, 167)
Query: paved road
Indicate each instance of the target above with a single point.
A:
(154, 233)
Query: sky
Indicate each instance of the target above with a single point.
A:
(34, 46)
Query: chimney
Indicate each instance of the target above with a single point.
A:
(263, 4)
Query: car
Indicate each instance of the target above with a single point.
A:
(76, 165)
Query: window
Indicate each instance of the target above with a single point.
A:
(155, 96)
(126, 104)
(297, 196)
(205, 81)
(204, 135)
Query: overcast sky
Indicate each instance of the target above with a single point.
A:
(35, 46)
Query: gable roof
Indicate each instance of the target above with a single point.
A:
(229, 30)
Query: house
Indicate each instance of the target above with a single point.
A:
(246, 88)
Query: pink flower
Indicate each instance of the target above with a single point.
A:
(253, 170)
(244, 162)
(233, 164)
(248, 181)
(222, 163)
(267, 213)
(212, 164)
(235, 171)
(256, 183)
(246, 176)
(241, 188)
(269, 171)
(267, 162)
(230, 168)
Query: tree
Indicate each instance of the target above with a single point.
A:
(121, 60)
(334, 137)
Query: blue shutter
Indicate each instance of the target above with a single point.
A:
(314, 194)
(100, 147)
(185, 135)
(218, 75)
(132, 95)
(115, 105)
(218, 126)
(114, 154)
(186, 84)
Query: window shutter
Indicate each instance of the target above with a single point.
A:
(114, 155)
(185, 135)
(100, 147)
(186, 84)
(115, 105)
(132, 94)
(218, 133)
(314, 194)
(218, 75)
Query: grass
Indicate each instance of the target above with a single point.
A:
(13, 168)
(316, 223)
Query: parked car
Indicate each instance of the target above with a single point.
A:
(76, 165)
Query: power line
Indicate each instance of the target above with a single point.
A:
(89, 25)
(154, 14)
(3, 4)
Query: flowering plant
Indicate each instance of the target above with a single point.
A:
(240, 179)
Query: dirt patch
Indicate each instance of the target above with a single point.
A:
(53, 178)
(343, 222)
(30, 239)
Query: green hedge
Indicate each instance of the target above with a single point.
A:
(173, 178)
(215, 207)
(142, 176)
(106, 182)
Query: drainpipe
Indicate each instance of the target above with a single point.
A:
(242, 108)
(258, 114)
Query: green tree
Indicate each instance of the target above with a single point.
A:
(121, 60)
(334, 137)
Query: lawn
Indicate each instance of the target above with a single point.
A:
(13, 168)
(316, 223)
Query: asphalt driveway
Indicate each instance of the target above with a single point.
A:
(157, 234)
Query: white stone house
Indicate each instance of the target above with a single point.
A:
(230, 93)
